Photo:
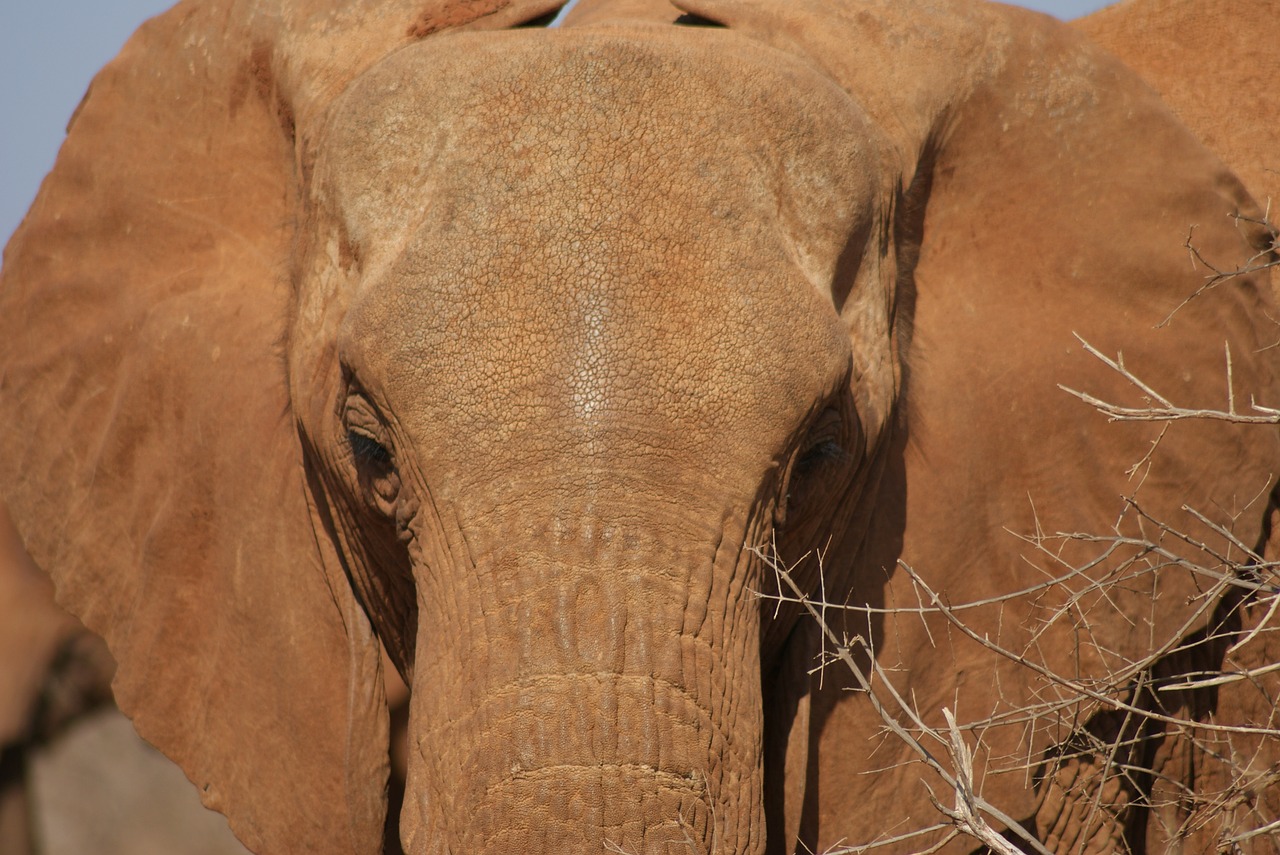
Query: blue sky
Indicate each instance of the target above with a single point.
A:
(49, 51)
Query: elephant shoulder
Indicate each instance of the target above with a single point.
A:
(1213, 62)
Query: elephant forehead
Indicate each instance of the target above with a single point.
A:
(562, 117)
(601, 234)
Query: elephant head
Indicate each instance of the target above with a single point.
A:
(522, 349)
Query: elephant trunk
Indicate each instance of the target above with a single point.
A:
(576, 763)
(604, 702)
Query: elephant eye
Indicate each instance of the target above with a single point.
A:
(375, 471)
(539, 21)
(368, 450)
(689, 20)
(821, 452)
(818, 467)
(822, 445)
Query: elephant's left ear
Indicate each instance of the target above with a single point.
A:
(148, 452)
(1047, 195)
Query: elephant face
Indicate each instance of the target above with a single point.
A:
(562, 401)
(526, 352)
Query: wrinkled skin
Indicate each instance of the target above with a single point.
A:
(520, 350)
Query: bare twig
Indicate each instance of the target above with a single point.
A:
(1166, 411)
(844, 653)
(1259, 261)
(966, 814)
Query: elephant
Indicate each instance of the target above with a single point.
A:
(682, 397)
(1203, 79)
(74, 776)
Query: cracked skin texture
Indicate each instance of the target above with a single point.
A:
(508, 348)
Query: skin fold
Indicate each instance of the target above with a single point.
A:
(529, 354)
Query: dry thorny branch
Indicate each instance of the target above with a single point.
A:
(1267, 256)
(1097, 727)
(967, 817)
(1161, 409)
(1188, 733)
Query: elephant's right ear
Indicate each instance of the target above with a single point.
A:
(147, 449)
(148, 452)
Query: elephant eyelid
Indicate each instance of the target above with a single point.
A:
(823, 443)
(689, 20)
(366, 449)
(827, 450)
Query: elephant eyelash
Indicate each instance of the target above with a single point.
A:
(366, 449)
(823, 444)
(828, 450)
(689, 20)
(540, 21)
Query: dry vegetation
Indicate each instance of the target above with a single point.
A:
(1189, 733)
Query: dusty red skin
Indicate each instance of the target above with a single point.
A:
(1220, 83)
